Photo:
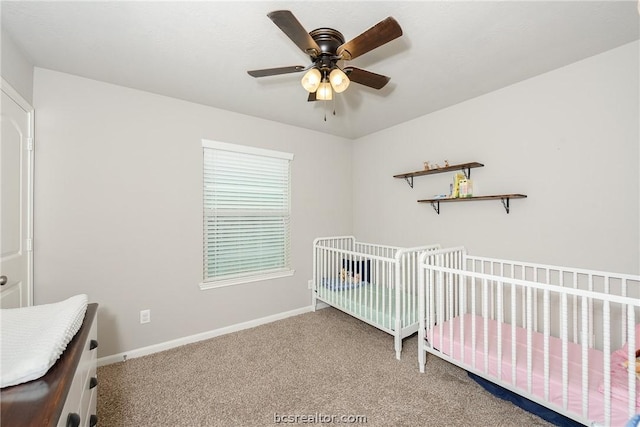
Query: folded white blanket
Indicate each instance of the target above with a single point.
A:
(33, 338)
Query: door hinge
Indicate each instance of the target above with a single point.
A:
(30, 144)
(29, 244)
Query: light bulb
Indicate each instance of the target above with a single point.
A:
(339, 80)
(324, 92)
(311, 80)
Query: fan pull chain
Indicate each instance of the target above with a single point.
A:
(325, 110)
(334, 105)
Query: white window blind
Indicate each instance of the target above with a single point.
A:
(246, 213)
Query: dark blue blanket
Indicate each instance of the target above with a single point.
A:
(524, 403)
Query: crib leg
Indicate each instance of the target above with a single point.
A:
(314, 300)
(421, 359)
(398, 345)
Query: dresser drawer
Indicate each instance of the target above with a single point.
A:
(72, 404)
(91, 409)
(78, 410)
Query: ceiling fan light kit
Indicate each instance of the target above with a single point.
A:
(324, 92)
(325, 47)
(311, 80)
(339, 80)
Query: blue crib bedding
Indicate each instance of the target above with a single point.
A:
(373, 303)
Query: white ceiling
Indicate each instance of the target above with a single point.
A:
(200, 51)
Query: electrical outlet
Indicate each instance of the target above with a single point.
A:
(310, 284)
(145, 316)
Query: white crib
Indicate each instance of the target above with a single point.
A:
(375, 283)
(557, 336)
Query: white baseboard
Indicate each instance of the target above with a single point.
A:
(144, 351)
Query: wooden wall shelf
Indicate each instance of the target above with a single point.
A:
(435, 203)
(464, 167)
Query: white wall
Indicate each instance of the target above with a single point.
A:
(569, 139)
(118, 185)
(15, 68)
(119, 214)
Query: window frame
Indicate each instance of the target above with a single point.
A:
(286, 271)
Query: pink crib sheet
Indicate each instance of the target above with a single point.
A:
(595, 410)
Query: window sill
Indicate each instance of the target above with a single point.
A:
(245, 279)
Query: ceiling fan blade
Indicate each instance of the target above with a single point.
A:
(311, 97)
(366, 78)
(287, 22)
(275, 71)
(381, 33)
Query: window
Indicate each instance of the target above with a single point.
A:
(246, 201)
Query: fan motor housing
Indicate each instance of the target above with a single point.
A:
(328, 40)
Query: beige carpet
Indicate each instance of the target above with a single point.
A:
(325, 365)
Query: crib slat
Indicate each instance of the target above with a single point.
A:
(500, 304)
(591, 317)
(547, 332)
(524, 301)
(514, 371)
(575, 308)
(529, 310)
(631, 340)
(485, 324)
(473, 325)
(623, 292)
(535, 299)
(465, 282)
(565, 353)
(607, 361)
(585, 359)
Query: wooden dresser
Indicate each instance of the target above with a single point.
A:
(66, 396)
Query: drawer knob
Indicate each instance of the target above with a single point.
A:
(93, 382)
(93, 420)
(73, 420)
(93, 344)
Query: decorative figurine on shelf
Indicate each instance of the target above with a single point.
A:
(426, 166)
(437, 166)
(455, 191)
(446, 163)
(356, 278)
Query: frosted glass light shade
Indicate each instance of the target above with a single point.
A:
(311, 80)
(339, 80)
(324, 92)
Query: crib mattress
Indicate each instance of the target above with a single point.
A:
(375, 304)
(595, 411)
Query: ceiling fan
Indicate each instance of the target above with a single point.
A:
(325, 47)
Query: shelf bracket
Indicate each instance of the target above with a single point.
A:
(505, 203)
(409, 180)
(467, 172)
(436, 207)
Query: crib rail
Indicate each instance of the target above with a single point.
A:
(575, 278)
(488, 315)
(375, 283)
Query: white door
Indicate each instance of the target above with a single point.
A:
(16, 195)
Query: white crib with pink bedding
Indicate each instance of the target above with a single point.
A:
(375, 283)
(557, 336)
